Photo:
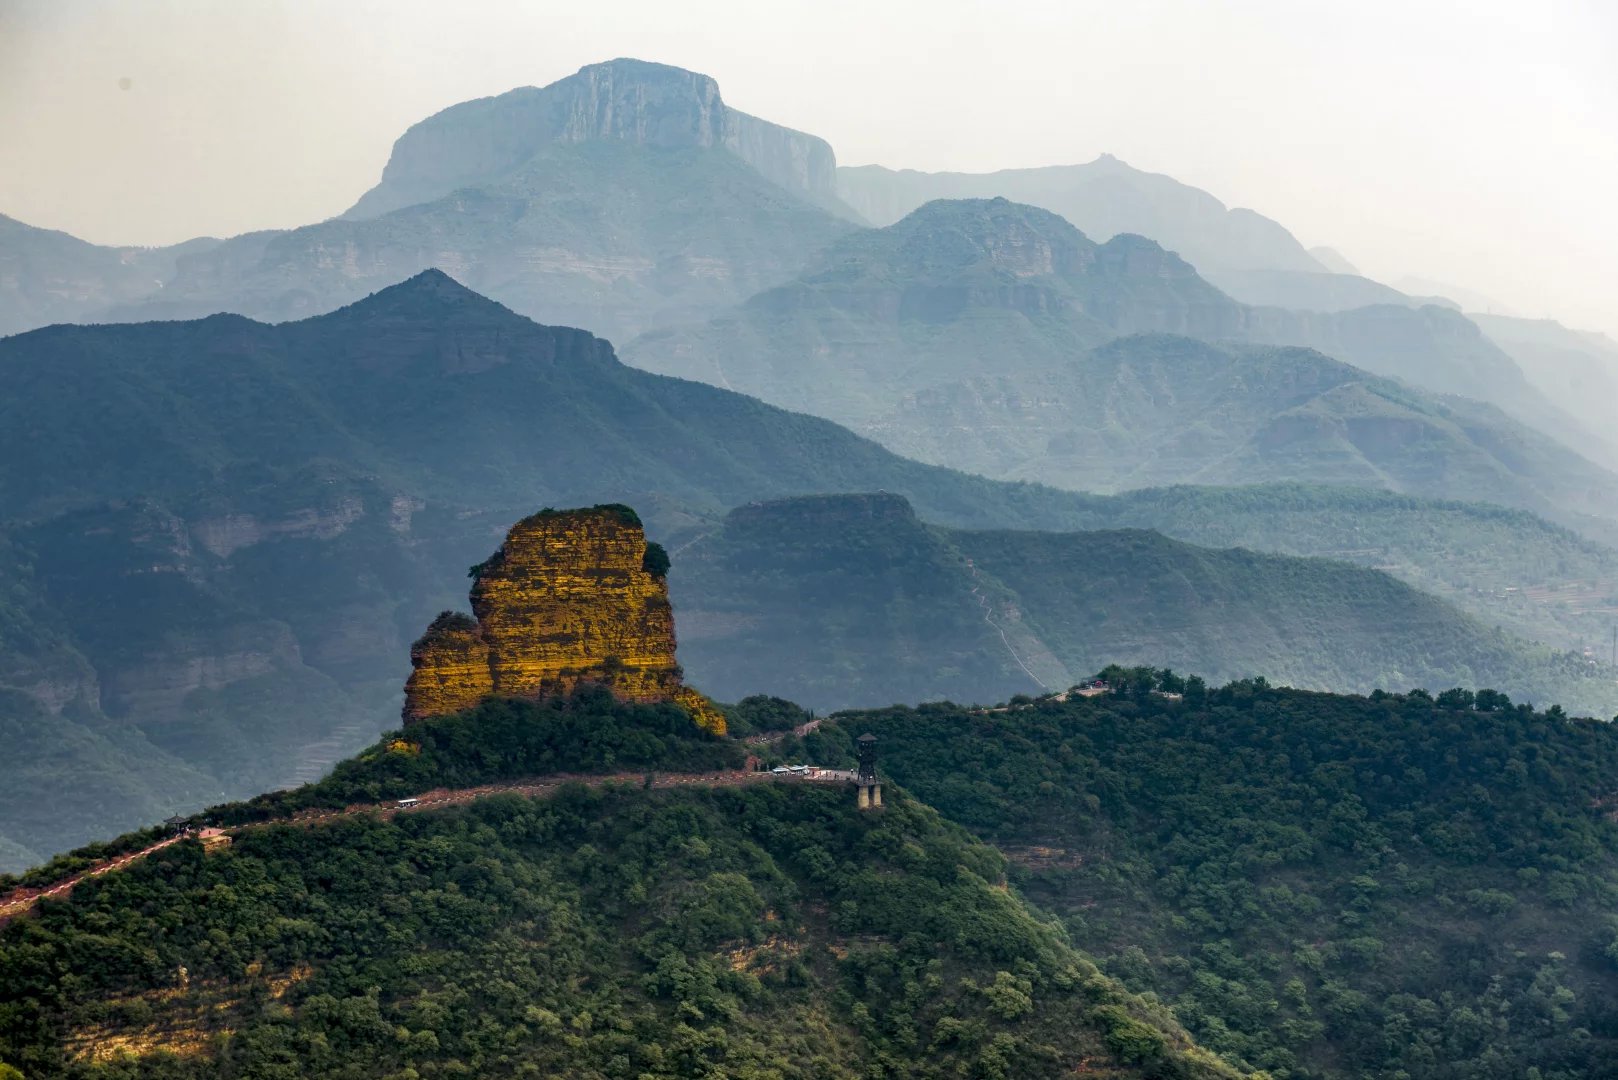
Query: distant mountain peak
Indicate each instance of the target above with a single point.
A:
(623, 100)
(946, 238)
(1102, 198)
(432, 319)
(427, 294)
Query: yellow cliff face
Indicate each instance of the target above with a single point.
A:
(450, 668)
(567, 592)
(571, 596)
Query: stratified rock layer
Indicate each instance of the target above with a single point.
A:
(570, 597)
(451, 668)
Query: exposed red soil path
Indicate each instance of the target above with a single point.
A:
(21, 901)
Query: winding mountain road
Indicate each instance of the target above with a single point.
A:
(19, 902)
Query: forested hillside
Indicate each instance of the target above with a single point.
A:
(772, 931)
(841, 601)
(1321, 886)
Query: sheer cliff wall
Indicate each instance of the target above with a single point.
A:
(571, 596)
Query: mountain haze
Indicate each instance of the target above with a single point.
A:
(979, 334)
(225, 533)
(1102, 199)
(1578, 370)
(1258, 262)
(629, 197)
(848, 600)
(623, 197)
(47, 276)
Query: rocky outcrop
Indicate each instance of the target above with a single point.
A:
(450, 668)
(621, 100)
(229, 533)
(798, 162)
(571, 596)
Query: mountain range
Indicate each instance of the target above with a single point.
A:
(216, 534)
(222, 533)
(840, 601)
(1258, 262)
(1250, 686)
(995, 337)
(630, 197)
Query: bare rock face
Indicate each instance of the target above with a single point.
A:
(621, 100)
(451, 669)
(572, 596)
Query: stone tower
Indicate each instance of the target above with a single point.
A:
(870, 788)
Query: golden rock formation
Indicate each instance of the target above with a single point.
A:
(451, 668)
(571, 596)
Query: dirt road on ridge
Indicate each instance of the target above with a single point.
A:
(21, 901)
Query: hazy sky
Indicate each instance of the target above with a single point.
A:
(1472, 142)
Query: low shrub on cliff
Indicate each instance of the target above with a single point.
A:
(656, 560)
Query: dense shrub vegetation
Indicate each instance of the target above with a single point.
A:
(1323, 886)
(761, 932)
(588, 731)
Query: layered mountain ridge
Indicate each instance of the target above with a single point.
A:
(841, 600)
(995, 337)
(48, 276)
(1102, 199)
(238, 528)
(629, 197)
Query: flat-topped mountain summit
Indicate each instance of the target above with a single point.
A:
(623, 100)
(626, 196)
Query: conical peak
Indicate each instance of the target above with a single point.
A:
(430, 295)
